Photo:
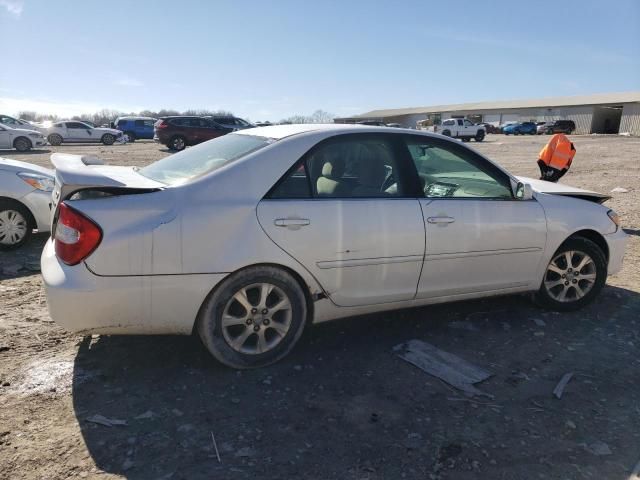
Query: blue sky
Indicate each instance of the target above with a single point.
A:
(269, 60)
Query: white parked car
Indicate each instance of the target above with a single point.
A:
(20, 139)
(25, 201)
(80, 132)
(249, 237)
(541, 127)
(461, 128)
(20, 123)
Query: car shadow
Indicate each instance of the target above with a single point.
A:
(343, 404)
(23, 261)
(33, 151)
(632, 231)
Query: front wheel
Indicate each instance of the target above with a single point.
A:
(254, 318)
(16, 225)
(479, 136)
(108, 139)
(574, 277)
(22, 144)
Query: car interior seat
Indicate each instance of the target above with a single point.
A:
(330, 183)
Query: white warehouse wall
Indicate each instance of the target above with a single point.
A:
(630, 122)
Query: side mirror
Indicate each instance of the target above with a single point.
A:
(524, 191)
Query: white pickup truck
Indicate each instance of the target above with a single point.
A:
(461, 128)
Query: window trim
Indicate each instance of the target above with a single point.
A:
(400, 154)
(468, 155)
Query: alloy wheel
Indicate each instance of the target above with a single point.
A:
(13, 227)
(178, 143)
(256, 318)
(570, 276)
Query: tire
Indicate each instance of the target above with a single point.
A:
(131, 135)
(237, 345)
(108, 139)
(16, 225)
(177, 143)
(479, 136)
(54, 139)
(446, 133)
(589, 279)
(22, 144)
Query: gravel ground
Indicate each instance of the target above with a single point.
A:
(342, 405)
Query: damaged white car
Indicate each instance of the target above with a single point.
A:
(250, 237)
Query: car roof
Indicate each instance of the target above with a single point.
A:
(133, 117)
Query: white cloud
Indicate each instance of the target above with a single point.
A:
(11, 106)
(14, 7)
(128, 82)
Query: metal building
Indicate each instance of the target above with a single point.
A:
(599, 113)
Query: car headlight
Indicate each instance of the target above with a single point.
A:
(35, 135)
(38, 181)
(615, 218)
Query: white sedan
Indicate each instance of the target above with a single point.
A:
(19, 138)
(25, 201)
(79, 132)
(249, 237)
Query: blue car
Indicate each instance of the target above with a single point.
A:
(135, 127)
(521, 129)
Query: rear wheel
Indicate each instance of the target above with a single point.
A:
(16, 225)
(108, 139)
(177, 143)
(22, 144)
(54, 139)
(574, 277)
(479, 136)
(254, 318)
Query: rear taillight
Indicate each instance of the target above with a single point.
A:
(161, 124)
(76, 236)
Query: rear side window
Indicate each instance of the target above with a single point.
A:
(204, 158)
(179, 122)
(294, 185)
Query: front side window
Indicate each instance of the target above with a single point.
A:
(350, 166)
(452, 172)
(148, 123)
(77, 125)
(202, 159)
(460, 122)
(467, 123)
(139, 123)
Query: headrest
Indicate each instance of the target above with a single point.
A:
(333, 168)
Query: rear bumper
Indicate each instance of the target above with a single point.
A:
(617, 242)
(80, 301)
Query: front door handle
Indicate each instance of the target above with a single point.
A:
(441, 219)
(293, 223)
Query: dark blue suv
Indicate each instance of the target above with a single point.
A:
(135, 127)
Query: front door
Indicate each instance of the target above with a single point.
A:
(79, 132)
(346, 214)
(478, 237)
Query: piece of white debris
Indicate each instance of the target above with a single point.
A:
(598, 448)
(619, 190)
(444, 365)
(106, 422)
(145, 415)
(562, 384)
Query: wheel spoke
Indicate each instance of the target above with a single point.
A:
(590, 277)
(261, 345)
(556, 269)
(563, 294)
(241, 298)
(265, 290)
(555, 283)
(230, 320)
(281, 305)
(568, 257)
(579, 292)
(279, 327)
(239, 341)
(586, 260)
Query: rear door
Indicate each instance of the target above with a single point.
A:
(478, 237)
(348, 212)
(5, 138)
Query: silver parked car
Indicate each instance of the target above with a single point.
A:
(250, 237)
(25, 201)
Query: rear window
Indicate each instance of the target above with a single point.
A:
(204, 158)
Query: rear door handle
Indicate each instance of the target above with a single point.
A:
(441, 219)
(291, 222)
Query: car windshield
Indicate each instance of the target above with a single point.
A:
(204, 158)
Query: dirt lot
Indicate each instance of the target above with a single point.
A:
(342, 405)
